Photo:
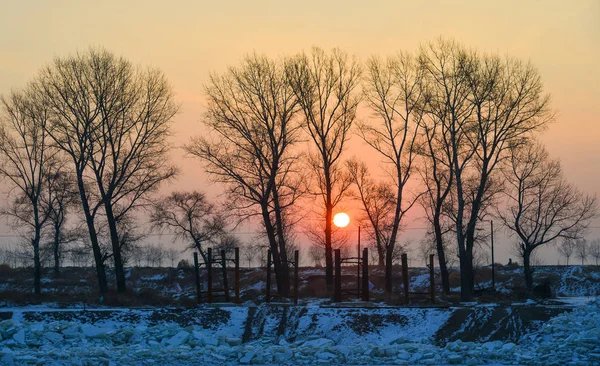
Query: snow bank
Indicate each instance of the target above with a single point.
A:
(572, 337)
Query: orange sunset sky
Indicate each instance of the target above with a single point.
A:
(188, 39)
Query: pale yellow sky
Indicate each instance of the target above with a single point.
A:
(187, 39)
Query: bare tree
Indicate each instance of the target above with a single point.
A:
(191, 217)
(65, 88)
(316, 254)
(595, 249)
(325, 87)
(394, 91)
(172, 255)
(228, 242)
(542, 206)
(249, 253)
(79, 256)
(581, 249)
(437, 174)
(566, 248)
(129, 153)
(378, 206)
(59, 200)
(252, 124)
(27, 162)
(487, 105)
(112, 120)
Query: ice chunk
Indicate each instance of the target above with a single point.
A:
(326, 356)
(19, 337)
(508, 347)
(233, 341)
(54, 337)
(8, 359)
(318, 343)
(91, 331)
(178, 338)
(248, 357)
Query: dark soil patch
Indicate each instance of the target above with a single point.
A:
(484, 324)
(364, 323)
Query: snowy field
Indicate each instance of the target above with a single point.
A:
(131, 337)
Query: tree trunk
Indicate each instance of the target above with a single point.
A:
(89, 220)
(281, 275)
(116, 247)
(202, 253)
(466, 278)
(439, 244)
(283, 260)
(527, 270)
(328, 247)
(388, 270)
(466, 274)
(380, 254)
(37, 267)
(55, 248)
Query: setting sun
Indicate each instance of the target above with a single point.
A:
(341, 219)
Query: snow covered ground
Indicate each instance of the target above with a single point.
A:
(570, 338)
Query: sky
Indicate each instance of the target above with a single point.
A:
(189, 39)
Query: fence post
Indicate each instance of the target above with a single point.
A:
(237, 275)
(337, 285)
(365, 275)
(209, 274)
(431, 279)
(197, 270)
(405, 276)
(358, 265)
(296, 264)
(224, 265)
(268, 295)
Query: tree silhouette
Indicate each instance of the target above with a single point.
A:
(325, 87)
(486, 105)
(253, 127)
(112, 120)
(542, 206)
(394, 92)
(26, 161)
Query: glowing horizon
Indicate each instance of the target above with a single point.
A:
(191, 39)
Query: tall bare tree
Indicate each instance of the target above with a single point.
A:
(488, 105)
(437, 174)
(378, 206)
(394, 91)
(325, 86)
(253, 129)
(129, 153)
(26, 161)
(113, 120)
(542, 206)
(65, 88)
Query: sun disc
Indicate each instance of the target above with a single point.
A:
(341, 219)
